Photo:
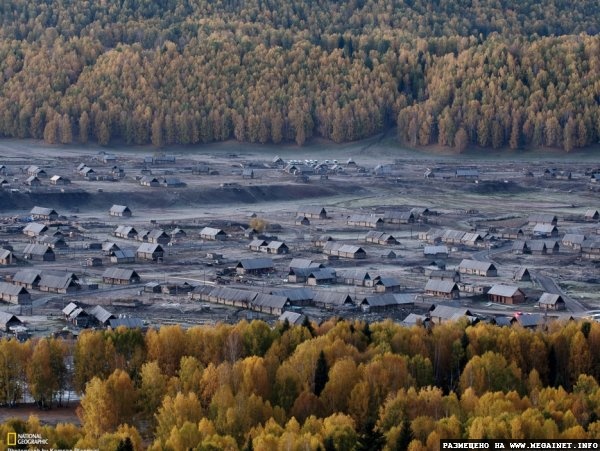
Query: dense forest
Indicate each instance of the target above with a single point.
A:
(338, 386)
(490, 73)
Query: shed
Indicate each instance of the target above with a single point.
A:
(120, 210)
(443, 274)
(119, 276)
(302, 220)
(59, 180)
(506, 294)
(435, 251)
(178, 233)
(172, 182)
(149, 180)
(549, 301)
(127, 323)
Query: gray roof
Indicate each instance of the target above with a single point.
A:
(233, 294)
(573, 238)
(369, 219)
(529, 320)
(211, 231)
(120, 273)
(37, 249)
(5, 253)
(588, 245)
(322, 274)
(57, 281)
(157, 233)
(269, 300)
(10, 289)
(544, 228)
(388, 282)
(412, 319)
(303, 263)
(6, 318)
(550, 299)
(448, 312)
(382, 300)
(42, 211)
(504, 290)
(432, 250)
(109, 246)
(27, 276)
(125, 230)
(442, 286)
(101, 314)
(70, 308)
(543, 218)
(377, 235)
(123, 253)
(149, 248)
(354, 273)
(467, 173)
(536, 245)
(255, 263)
(332, 298)
(276, 245)
(293, 318)
(403, 215)
(35, 227)
(148, 179)
(476, 265)
(453, 234)
(294, 294)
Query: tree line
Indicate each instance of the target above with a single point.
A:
(341, 385)
(489, 74)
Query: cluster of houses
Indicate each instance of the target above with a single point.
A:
(97, 316)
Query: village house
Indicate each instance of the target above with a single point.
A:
(212, 234)
(542, 218)
(355, 276)
(9, 322)
(332, 300)
(322, 240)
(158, 236)
(299, 275)
(270, 304)
(472, 239)
(521, 247)
(380, 238)
(323, 276)
(432, 236)
(590, 249)
(443, 274)
(386, 302)
(545, 231)
(591, 215)
(511, 234)
(446, 289)
(39, 252)
(127, 232)
(231, 296)
(522, 275)
(254, 266)
(387, 285)
(529, 321)
(36, 172)
(414, 319)
(506, 294)
(55, 242)
(33, 181)
(291, 318)
(478, 268)
(573, 240)
(549, 301)
(7, 257)
(399, 217)
(177, 234)
(14, 294)
(88, 173)
(374, 222)
(453, 236)
(120, 210)
(28, 278)
(443, 313)
(108, 247)
(277, 247)
(93, 261)
(344, 250)
(149, 180)
(59, 180)
(58, 283)
(247, 173)
(296, 296)
(122, 256)
(44, 214)
(142, 235)
(77, 315)
(302, 220)
(257, 245)
(100, 315)
(150, 251)
(34, 229)
(120, 276)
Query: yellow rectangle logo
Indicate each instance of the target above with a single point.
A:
(11, 438)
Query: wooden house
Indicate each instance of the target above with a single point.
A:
(399, 217)
(374, 222)
(355, 276)
(299, 275)
(292, 318)
(591, 215)
(383, 238)
(545, 231)
(59, 180)
(231, 296)
(302, 220)
(172, 182)
(296, 296)
(44, 214)
(277, 247)
(522, 275)
(59, 283)
(435, 251)
(443, 274)
(386, 302)
(55, 242)
(8, 322)
(332, 300)
(247, 173)
(270, 304)
(212, 234)
(549, 301)
(444, 313)
(108, 247)
(542, 218)
(446, 289)
(506, 294)
(149, 180)
(573, 240)
(7, 257)
(100, 315)
(472, 239)
(158, 236)
(257, 245)
(34, 229)
(453, 236)
(177, 234)
(28, 278)
(344, 250)
(323, 276)
(14, 294)
(119, 276)
(466, 173)
(127, 232)
(321, 240)
(590, 250)
(36, 171)
(120, 210)
(39, 252)
(254, 266)
(122, 256)
(478, 268)
(150, 251)
(521, 247)
(388, 285)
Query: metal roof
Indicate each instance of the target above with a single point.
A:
(543, 218)
(35, 227)
(442, 286)
(432, 250)
(269, 300)
(369, 219)
(6, 318)
(150, 248)
(476, 265)
(233, 294)
(70, 308)
(119, 209)
(293, 318)
(312, 209)
(43, 211)
(27, 276)
(550, 299)
(55, 281)
(101, 314)
(276, 245)
(10, 289)
(255, 263)
(323, 274)
(332, 298)
(295, 294)
(123, 253)
(157, 233)
(448, 312)
(573, 238)
(120, 273)
(544, 228)
(37, 249)
(211, 231)
(125, 230)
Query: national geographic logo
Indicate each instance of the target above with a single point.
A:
(14, 439)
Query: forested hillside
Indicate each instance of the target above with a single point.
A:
(339, 386)
(493, 73)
